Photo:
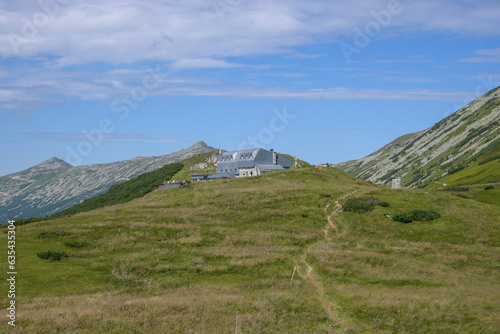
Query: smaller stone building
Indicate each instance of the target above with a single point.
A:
(396, 184)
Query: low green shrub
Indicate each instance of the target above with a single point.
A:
(325, 195)
(360, 204)
(404, 217)
(52, 234)
(489, 187)
(416, 215)
(457, 188)
(384, 204)
(52, 255)
(76, 244)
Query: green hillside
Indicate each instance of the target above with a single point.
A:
(485, 170)
(481, 181)
(193, 259)
(301, 163)
(184, 173)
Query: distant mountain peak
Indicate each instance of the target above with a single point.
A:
(201, 144)
(54, 163)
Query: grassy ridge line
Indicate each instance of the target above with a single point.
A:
(137, 187)
(302, 163)
(126, 191)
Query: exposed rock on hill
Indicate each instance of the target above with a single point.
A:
(451, 144)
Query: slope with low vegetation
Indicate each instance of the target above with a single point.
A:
(54, 185)
(480, 181)
(126, 191)
(456, 142)
(212, 256)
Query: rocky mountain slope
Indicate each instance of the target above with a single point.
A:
(452, 144)
(55, 185)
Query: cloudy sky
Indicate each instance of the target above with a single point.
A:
(102, 81)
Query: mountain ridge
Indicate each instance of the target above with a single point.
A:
(422, 157)
(54, 185)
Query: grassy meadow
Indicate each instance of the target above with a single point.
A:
(213, 257)
(476, 179)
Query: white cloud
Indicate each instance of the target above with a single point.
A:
(183, 35)
(130, 30)
(6, 95)
(411, 79)
(31, 88)
(299, 55)
(321, 94)
(484, 56)
(201, 63)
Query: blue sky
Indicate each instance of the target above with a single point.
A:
(328, 81)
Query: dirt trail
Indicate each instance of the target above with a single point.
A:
(330, 224)
(310, 272)
(319, 288)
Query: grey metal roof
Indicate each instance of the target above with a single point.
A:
(266, 168)
(237, 155)
(220, 176)
(241, 151)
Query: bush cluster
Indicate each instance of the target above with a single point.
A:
(363, 204)
(489, 187)
(52, 255)
(360, 204)
(76, 244)
(460, 189)
(416, 215)
(52, 234)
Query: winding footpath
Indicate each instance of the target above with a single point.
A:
(310, 272)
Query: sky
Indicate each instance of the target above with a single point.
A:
(326, 81)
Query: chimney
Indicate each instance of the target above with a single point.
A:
(275, 157)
